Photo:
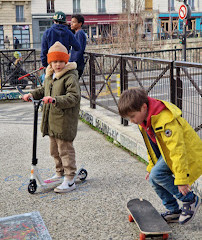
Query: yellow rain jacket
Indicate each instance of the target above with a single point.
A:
(179, 144)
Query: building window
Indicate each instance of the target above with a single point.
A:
(148, 25)
(165, 25)
(50, 6)
(148, 5)
(125, 6)
(101, 6)
(191, 3)
(21, 32)
(171, 5)
(1, 37)
(43, 26)
(76, 6)
(20, 13)
(85, 28)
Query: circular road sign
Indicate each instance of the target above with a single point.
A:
(183, 11)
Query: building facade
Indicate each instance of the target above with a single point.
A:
(15, 22)
(98, 14)
(162, 18)
(159, 19)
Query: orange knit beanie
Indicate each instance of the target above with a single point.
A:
(57, 52)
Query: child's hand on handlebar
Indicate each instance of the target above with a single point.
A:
(27, 97)
(48, 99)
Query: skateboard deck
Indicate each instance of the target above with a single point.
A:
(148, 220)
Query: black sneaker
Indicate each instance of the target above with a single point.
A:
(171, 217)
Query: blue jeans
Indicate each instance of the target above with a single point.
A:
(162, 180)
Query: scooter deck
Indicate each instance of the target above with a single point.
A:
(148, 220)
(53, 180)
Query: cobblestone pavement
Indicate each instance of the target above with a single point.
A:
(97, 208)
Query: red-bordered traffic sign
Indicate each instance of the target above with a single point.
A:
(183, 11)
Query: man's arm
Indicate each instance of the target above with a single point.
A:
(73, 42)
(82, 40)
(44, 50)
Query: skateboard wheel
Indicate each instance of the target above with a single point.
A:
(130, 218)
(165, 236)
(142, 236)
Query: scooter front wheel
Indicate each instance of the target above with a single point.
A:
(82, 174)
(32, 186)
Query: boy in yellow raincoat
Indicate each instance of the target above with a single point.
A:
(174, 150)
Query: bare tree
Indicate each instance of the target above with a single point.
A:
(130, 33)
(127, 35)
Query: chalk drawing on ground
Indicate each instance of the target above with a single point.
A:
(24, 226)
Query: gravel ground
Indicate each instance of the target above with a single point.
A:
(97, 208)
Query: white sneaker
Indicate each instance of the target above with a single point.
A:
(54, 178)
(66, 186)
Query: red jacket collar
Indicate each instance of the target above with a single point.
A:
(154, 108)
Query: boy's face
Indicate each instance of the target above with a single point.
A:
(137, 117)
(57, 66)
(74, 24)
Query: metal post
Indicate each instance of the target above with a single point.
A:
(184, 40)
(172, 84)
(175, 53)
(179, 88)
(92, 81)
(124, 83)
(35, 83)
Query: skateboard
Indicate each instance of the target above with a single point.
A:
(148, 220)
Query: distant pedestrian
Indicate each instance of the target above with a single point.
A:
(58, 32)
(61, 95)
(77, 22)
(174, 151)
(16, 43)
(6, 42)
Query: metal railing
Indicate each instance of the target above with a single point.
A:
(106, 76)
(193, 54)
(12, 67)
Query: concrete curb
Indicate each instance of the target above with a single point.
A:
(110, 124)
(11, 95)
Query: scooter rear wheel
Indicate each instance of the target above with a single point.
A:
(32, 186)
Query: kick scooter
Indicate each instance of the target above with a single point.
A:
(35, 178)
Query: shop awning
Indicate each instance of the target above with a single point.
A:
(99, 19)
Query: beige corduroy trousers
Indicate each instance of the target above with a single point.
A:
(64, 155)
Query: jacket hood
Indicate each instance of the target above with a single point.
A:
(173, 112)
(60, 29)
(173, 108)
(155, 107)
(69, 66)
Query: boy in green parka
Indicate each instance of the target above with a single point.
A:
(61, 97)
(175, 162)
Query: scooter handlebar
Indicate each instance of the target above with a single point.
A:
(28, 74)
